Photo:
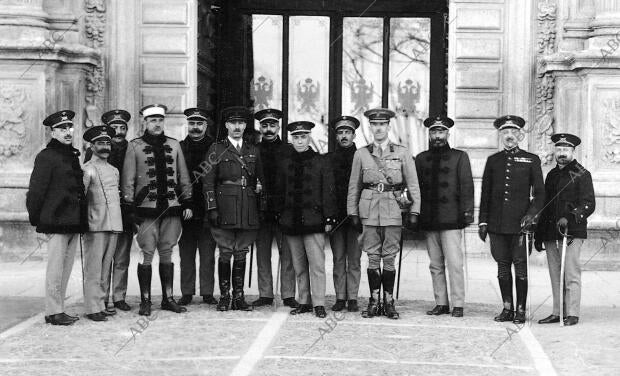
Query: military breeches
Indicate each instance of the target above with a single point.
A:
(508, 249)
(99, 249)
(381, 242)
(572, 275)
(264, 242)
(196, 235)
(308, 253)
(60, 255)
(160, 233)
(233, 242)
(444, 247)
(117, 272)
(347, 255)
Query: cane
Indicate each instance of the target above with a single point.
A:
(562, 263)
(527, 264)
(400, 260)
(82, 264)
(251, 262)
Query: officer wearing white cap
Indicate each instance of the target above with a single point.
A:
(101, 181)
(306, 210)
(507, 212)
(196, 232)
(156, 183)
(447, 189)
(345, 248)
(380, 173)
(56, 205)
(271, 150)
(569, 202)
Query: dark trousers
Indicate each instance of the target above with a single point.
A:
(508, 249)
(196, 235)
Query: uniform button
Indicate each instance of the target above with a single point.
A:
(506, 199)
(507, 170)
(505, 192)
(506, 184)
(508, 177)
(508, 164)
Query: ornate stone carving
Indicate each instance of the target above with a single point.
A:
(14, 100)
(94, 27)
(544, 126)
(611, 130)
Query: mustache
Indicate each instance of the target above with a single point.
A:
(195, 130)
(105, 151)
(268, 133)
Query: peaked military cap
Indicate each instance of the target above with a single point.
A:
(59, 118)
(379, 115)
(439, 121)
(268, 114)
(565, 139)
(99, 132)
(345, 121)
(197, 114)
(115, 117)
(509, 121)
(300, 127)
(153, 110)
(235, 113)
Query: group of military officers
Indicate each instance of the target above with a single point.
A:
(209, 192)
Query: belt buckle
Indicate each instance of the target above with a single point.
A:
(380, 187)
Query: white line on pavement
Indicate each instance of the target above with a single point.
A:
(82, 360)
(433, 326)
(541, 360)
(389, 361)
(260, 345)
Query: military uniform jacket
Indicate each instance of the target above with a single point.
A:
(195, 153)
(569, 194)
(305, 184)
(381, 208)
(229, 184)
(55, 200)
(155, 178)
(270, 152)
(342, 160)
(101, 181)
(447, 189)
(509, 178)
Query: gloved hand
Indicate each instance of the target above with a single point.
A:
(527, 222)
(538, 244)
(412, 222)
(562, 224)
(356, 223)
(214, 217)
(482, 232)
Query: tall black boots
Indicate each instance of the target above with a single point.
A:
(521, 284)
(388, 289)
(223, 271)
(166, 275)
(505, 287)
(374, 283)
(238, 277)
(144, 279)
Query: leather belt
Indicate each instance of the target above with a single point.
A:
(242, 182)
(382, 187)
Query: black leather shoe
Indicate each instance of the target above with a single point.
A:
(122, 305)
(224, 303)
(319, 311)
(74, 318)
(439, 310)
(109, 312)
(209, 299)
(519, 317)
(340, 305)
(262, 301)
(457, 312)
(290, 302)
(505, 315)
(99, 316)
(302, 308)
(59, 319)
(571, 320)
(185, 300)
(551, 319)
(352, 306)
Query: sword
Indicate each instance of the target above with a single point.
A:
(251, 262)
(400, 260)
(562, 264)
(82, 264)
(335, 228)
(527, 264)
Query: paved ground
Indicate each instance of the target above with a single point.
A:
(268, 341)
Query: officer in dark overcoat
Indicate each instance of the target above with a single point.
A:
(230, 183)
(510, 177)
(569, 202)
(447, 206)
